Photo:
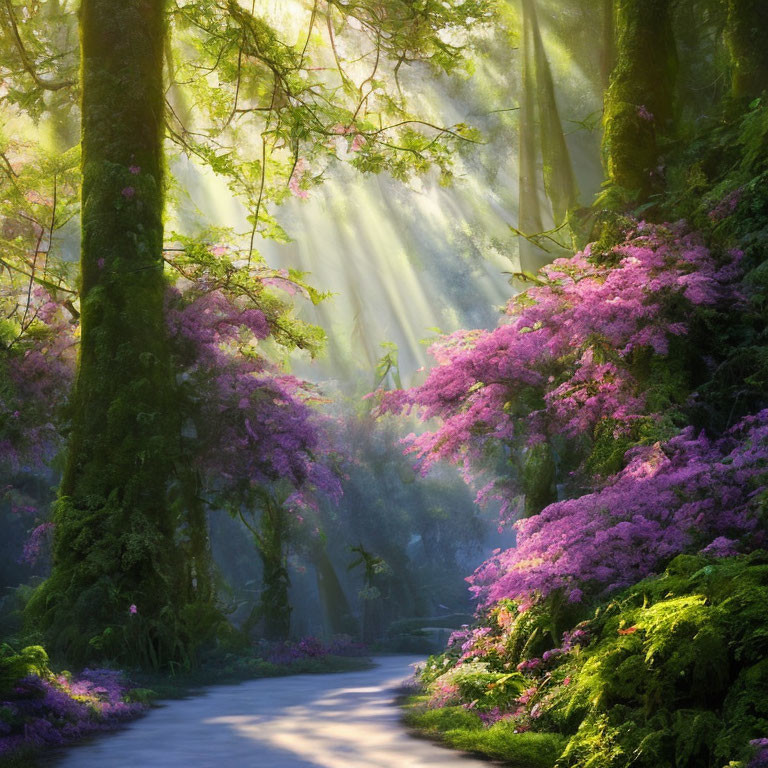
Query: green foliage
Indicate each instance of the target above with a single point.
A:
(674, 677)
(487, 690)
(32, 660)
(437, 721)
(667, 653)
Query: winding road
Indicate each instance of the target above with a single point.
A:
(346, 720)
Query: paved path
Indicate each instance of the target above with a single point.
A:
(346, 720)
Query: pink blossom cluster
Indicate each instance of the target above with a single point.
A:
(690, 494)
(727, 206)
(37, 541)
(567, 344)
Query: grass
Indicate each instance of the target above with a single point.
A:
(461, 729)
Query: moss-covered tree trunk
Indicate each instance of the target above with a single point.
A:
(745, 32)
(639, 104)
(114, 545)
(539, 479)
(608, 48)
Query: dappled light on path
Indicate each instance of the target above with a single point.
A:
(345, 720)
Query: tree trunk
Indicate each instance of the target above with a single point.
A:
(745, 33)
(529, 208)
(274, 606)
(114, 543)
(200, 559)
(639, 104)
(336, 609)
(539, 479)
(559, 181)
(608, 49)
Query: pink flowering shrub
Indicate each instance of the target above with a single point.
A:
(689, 494)
(564, 359)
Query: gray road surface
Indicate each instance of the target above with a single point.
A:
(346, 720)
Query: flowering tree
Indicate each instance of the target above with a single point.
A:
(252, 440)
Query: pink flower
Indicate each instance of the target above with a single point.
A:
(128, 193)
(294, 183)
(134, 169)
(133, 610)
(644, 113)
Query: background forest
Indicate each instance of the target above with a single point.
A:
(248, 247)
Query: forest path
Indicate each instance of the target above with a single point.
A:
(346, 720)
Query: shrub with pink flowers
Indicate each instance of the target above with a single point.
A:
(573, 352)
(252, 425)
(688, 494)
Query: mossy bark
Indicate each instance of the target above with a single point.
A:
(539, 479)
(639, 103)
(608, 48)
(114, 543)
(745, 34)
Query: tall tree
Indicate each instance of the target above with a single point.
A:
(745, 30)
(130, 526)
(639, 104)
(115, 531)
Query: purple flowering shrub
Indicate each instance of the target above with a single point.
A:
(566, 358)
(41, 709)
(689, 494)
(760, 758)
(36, 371)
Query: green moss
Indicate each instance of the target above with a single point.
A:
(438, 721)
(517, 750)
(639, 102)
